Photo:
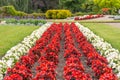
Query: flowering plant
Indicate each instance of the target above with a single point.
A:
(104, 48)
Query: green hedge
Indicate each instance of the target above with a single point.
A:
(58, 14)
(38, 15)
(11, 11)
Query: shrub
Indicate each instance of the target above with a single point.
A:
(20, 13)
(10, 10)
(1, 10)
(38, 15)
(79, 14)
(58, 14)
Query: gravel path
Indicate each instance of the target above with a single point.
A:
(114, 24)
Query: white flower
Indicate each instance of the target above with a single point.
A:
(10, 62)
(118, 75)
(106, 50)
(113, 65)
(1, 76)
(118, 68)
(20, 49)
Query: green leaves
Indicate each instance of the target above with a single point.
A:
(107, 3)
(73, 5)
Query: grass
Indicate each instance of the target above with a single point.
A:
(12, 35)
(109, 33)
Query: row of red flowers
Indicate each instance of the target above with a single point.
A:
(94, 59)
(88, 17)
(73, 70)
(22, 69)
(48, 62)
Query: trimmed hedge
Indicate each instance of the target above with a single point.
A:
(11, 11)
(58, 14)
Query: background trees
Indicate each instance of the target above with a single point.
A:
(113, 5)
(73, 5)
(31, 6)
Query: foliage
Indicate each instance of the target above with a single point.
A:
(11, 11)
(114, 5)
(73, 5)
(30, 6)
(22, 5)
(38, 15)
(58, 14)
(87, 6)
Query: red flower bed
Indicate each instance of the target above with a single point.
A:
(46, 51)
(97, 62)
(88, 17)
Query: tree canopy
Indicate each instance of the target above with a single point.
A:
(108, 3)
(31, 6)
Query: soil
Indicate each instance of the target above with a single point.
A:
(61, 64)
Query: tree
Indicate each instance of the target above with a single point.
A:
(87, 6)
(112, 4)
(73, 5)
(30, 6)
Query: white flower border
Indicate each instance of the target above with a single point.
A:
(105, 49)
(13, 55)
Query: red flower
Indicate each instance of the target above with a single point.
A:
(13, 77)
(108, 76)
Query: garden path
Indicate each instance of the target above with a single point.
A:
(114, 24)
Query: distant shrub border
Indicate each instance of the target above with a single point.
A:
(58, 14)
(7, 11)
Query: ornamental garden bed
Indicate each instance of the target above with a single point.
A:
(62, 53)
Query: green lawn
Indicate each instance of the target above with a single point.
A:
(12, 35)
(109, 33)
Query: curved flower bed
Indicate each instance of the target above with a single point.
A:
(82, 61)
(14, 54)
(88, 17)
(105, 49)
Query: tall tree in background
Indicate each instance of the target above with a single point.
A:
(22, 5)
(31, 5)
(112, 4)
(73, 5)
(88, 6)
